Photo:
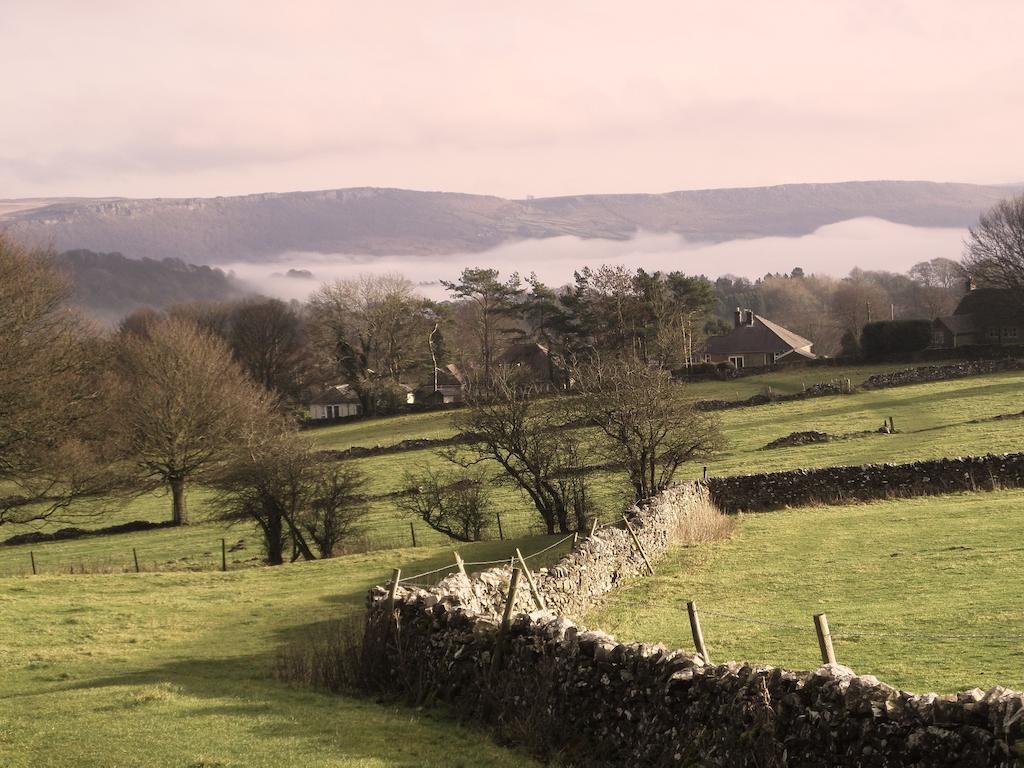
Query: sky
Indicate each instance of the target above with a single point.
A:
(220, 97)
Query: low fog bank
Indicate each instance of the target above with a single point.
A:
(871, 244)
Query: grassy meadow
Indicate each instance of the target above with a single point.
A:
(173, 669)
(949, 418)
(171, 666)
(923, 593)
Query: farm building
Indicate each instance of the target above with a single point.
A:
(756, 341)
(335, 402)
(540, 366)
(983, 316)
(447, 387)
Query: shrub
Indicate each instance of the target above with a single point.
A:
(889, 337)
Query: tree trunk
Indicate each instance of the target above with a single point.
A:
(179, 509)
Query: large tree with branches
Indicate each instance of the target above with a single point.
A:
(647, 425)
(48, 391)
(994, 254)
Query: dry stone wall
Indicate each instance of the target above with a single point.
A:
(830, 485)
(559, 689)
(927, 373)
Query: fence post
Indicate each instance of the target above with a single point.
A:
(538, 599)
(396, 574)
(506, 621)
(575, 540)
(32, 557)
(223, 555)
(135, 557)
(593, 528)
(695, 630)
(501, 533)
(892, 425)
(461, 564)
(638, 545)
(412, 530)
(705, 473)
(828, 654)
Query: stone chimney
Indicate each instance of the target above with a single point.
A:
(749, 317)
(737, 318)
(969, 284)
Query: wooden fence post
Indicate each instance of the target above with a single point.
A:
(538, 599)
(135, 557)
(501, 533)
(593, 528)
(892, 425)
(223, 555)
(461, 564)
(695, 630)
(506, 621)
(412, 530)
(575, 541)
(32, 557)
(638, 545)
(396, 575)
(828, 654)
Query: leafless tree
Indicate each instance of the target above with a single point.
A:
(994, 251)
(180, 403)
(646, 424)
(525, 436)
(275, 478)
(369, 330)
(49, 360)
(334, 510)
(453, 503)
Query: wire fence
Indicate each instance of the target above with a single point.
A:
(431, 577)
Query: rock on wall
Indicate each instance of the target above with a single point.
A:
(828, 485)
(552, 687)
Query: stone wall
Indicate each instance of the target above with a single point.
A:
(587, 699)
(831, 485)
(940, 373)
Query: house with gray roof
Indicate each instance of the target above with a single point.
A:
(987, 316)
(756, 342)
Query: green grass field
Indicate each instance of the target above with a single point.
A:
(172, 669)
(933, 421)
(932, 584)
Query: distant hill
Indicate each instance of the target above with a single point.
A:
(109, 286)
(257, 228)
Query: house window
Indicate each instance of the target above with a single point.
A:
(1010, 332)
(736, 360)
(707, 358)
(993, 333)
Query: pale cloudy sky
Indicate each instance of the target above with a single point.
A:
(102, 97)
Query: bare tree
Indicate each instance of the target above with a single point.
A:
(48, 391)
(452, 503)
(525, 436)
(646, 424)
(334, 508)
(275, 478)
(369, 329)
(180, 405)
(994, 252)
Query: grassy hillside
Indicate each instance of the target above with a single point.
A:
(934, 420)
(172, 669)
(923, 593)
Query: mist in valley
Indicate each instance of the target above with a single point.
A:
(867, 243)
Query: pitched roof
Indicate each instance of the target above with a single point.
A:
(795, 353)
(339, 393)
(762, 336)
(992, 306)
(958, 324)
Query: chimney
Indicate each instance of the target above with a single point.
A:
(750, 317)
(970, 284)
(737, 318)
